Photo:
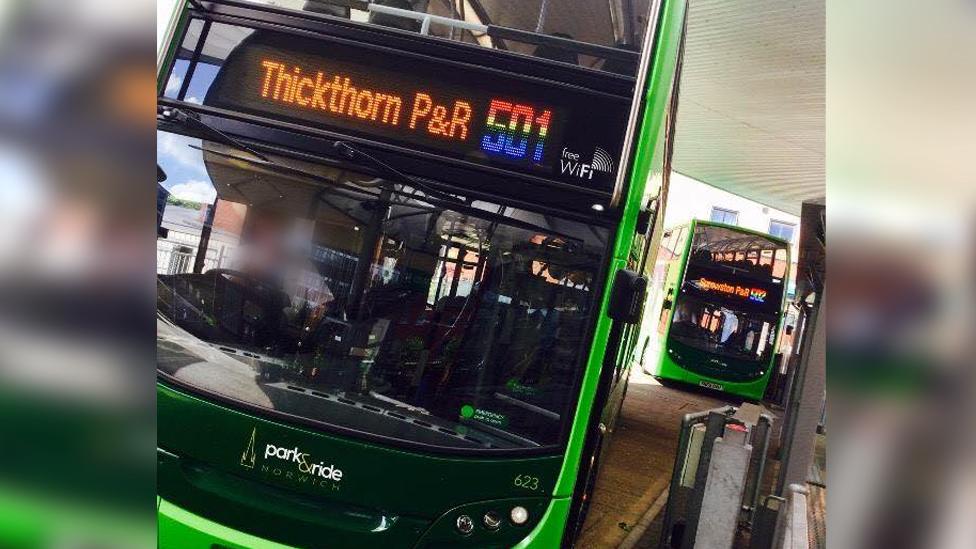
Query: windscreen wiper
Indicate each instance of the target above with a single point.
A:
(179, 115)
(351, 152)
(355, 154)
(349, 191)
(434, 197)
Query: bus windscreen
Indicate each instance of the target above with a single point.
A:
(728, 308)
(364, 306)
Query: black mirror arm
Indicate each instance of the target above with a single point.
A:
(627, 297)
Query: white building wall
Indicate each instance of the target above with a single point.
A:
(689, 198)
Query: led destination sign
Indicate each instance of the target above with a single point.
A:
(538, 128)
(731, 290)
(521, 137)
(743, 292)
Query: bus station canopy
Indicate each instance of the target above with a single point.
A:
(751, 118)
(751, 109)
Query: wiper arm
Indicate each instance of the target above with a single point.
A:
(336, 188)
(350, 152)
(354, 154)
(182, 116)
(286, 169)
(434, 197)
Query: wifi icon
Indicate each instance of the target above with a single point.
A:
(602, 162)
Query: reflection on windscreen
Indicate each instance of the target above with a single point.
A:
(739, 253)
(364, 304)
(723, 331)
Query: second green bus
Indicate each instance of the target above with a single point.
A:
(720, 308)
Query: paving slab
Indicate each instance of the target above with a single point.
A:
(637, 467)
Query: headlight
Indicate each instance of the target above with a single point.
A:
(519, 515)
(492, 520)
(464, 524)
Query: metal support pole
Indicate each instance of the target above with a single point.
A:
(804, 409)
(764, 524)
(675, 508)
(543, 12)
(204, 243)
(761, 443)
(683, 439)
(715, 426)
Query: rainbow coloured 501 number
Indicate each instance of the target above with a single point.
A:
(512, 139)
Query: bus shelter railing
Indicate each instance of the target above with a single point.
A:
(689, 478)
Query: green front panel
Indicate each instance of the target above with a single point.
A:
(180, 529)
(754, 390)
(226, 465)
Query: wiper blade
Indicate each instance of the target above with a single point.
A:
(354, 154)
(179, 115)
(350, 152)
(340, 189)
(434, 197)
(269, 164)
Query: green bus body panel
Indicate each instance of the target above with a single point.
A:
(659, 80)
(384, 496)
(208, 498)
(179, 23)
(753, 390)
(669, 369)
(180, 529)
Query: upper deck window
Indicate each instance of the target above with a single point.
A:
(592, 22)
(738, 252)
(782, 230)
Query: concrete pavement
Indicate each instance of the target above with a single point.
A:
(637, 467)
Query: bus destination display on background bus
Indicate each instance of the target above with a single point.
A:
(534, 127)
(742, 292)
(730, 290)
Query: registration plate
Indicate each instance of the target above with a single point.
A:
(711, 385)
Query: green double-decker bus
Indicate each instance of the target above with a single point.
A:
(400, 274)
(720, 308)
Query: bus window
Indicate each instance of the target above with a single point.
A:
(781, 263)
(738, 251)
(667, 247)
(679, 240)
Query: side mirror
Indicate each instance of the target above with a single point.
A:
(627, 299)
